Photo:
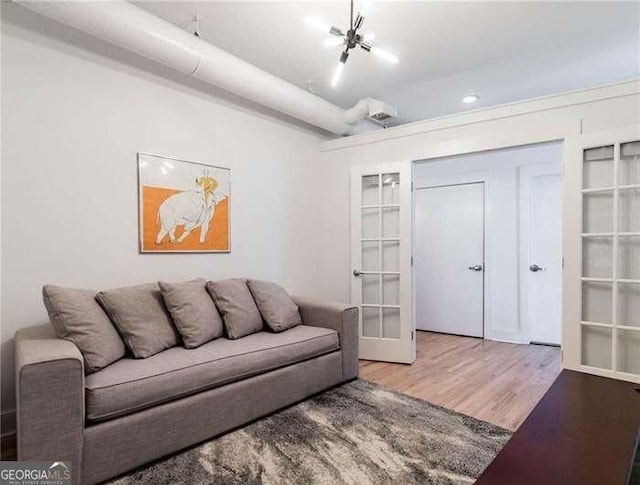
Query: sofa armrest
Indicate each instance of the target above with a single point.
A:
(50, 398)
(339, 317)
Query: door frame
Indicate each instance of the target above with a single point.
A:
(525, 173)
(401, 353)
(464, 178)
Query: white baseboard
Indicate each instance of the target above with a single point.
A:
(506, 336)
(7, 423)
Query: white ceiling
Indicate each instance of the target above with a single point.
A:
(503, 51)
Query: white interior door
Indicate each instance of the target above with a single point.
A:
(449, 259)
(541, 240)
(381, 260)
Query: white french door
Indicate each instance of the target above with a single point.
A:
(381, 260)
(601, 331)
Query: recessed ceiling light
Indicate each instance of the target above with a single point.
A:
(470, 98)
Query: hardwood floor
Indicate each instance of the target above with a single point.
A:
(496, 382)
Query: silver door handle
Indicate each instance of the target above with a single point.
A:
(534, 268)
(476, 267)
(356, 272)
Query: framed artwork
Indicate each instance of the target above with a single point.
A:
(183, 206)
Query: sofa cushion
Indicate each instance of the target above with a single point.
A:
(130, 385)
(276, 306)
(193, 311)
(237, 307)
(141, 318)
(76, 316)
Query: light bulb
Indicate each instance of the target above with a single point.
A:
(336, 74)
(382, 54)
(333, 41)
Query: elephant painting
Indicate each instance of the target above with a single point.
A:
(191, 209)
(183, 206)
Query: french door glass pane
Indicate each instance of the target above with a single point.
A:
(391, 322)
(391, 188)
(629, 258)
(629, 169)
(371, 190)
(597, 212)
(597, 301)
(629, 304)
(629, 351)
(370, 322)
(390, 256)
(391, 222)
(629, 211)
(596, 347)
(597, 257)
(370, 256)
(391, 289)
(370, 289)
(370, 222)
(598, 167)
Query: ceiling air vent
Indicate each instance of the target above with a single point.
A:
(381, 112)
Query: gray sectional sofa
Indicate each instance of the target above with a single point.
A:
(136, 410)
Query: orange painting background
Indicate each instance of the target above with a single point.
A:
(217, 237)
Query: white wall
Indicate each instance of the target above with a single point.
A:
(73, 122)
(499, 169)
(535, 121)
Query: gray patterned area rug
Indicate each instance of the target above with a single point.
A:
(358, 433)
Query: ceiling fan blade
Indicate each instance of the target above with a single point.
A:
(383, 54)
(358, 22)
(336, 31)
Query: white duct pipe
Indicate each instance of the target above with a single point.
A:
(135, 29)
(359, 111)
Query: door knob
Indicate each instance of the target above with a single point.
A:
(534, 268)
(356, 272)
(476, 267)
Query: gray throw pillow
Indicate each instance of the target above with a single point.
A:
(139, 314)
(77, 317)
(276, 306)
(193, 311)
(236, 306)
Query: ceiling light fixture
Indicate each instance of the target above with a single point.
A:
(333, 41)
(470, 98)
(387, 56)
(351, 39)
(336, 74)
